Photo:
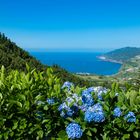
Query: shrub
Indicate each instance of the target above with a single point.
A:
(34, 106)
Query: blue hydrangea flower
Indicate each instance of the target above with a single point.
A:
(76, 98)
(100, 91)
(89, 115)
(117, 112)
(72, 111)
(50, 101)
(63, 114)
(74, 131)
(69, 100)
(90, 89)
(84, 107)
(95, 113)
(67, 85)
(130, 117)
(68, 108)
(97, 107)
(98, 116)
(69, 112)
(63, 106)
(87, 98)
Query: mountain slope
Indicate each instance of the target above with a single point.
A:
(13, 57)
(122, 55)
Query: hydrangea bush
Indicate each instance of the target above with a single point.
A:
(34, 105)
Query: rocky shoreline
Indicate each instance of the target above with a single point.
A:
(109, 60)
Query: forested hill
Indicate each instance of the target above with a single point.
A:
(13, 57)
(122, 54)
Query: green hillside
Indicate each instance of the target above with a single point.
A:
(123, 54)
(12, 57)
(130, 69)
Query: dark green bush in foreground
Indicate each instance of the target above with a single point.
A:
(31, 108)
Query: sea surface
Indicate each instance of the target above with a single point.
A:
(78, 62)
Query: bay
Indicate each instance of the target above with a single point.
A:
(78, 62)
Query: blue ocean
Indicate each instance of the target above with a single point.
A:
(78, 62)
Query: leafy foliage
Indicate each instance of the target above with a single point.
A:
(26, 111)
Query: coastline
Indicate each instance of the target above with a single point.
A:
(109, 60)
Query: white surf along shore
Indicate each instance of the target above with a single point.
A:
(109, 60)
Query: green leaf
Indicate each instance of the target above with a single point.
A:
(106, 107)
(27, 67)
(38, 97)
(19, 104)
(104, 137)
(22, 97)
(1, 96)
(40, 133)
(2, 73)
(15, 125)
(126, 136)
(23, 124)
(89, 133)
(50, 82)
(27, 105)
(6, 136)
(136, 135)
(46, 107)
(62, 134)
(45, 121)
(93, 130)
(132, 126)
(113, 86)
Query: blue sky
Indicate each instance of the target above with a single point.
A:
(78, 25)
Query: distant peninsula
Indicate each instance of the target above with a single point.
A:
(120, 55)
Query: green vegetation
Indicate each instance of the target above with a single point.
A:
(33, 104)
(130, 70)
(13, 57)
(123, 54)
(99, 80)
(26, 113)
